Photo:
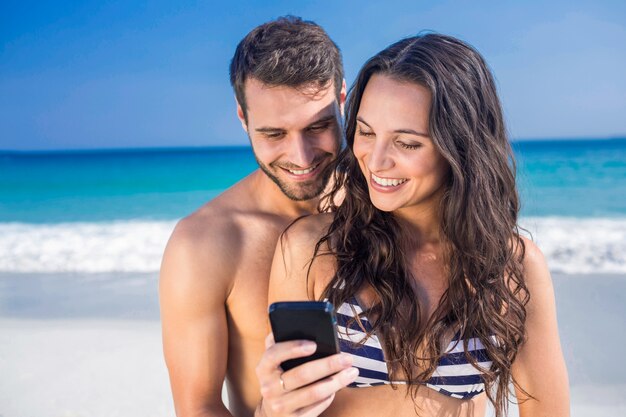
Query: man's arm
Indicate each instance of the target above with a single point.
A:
(194, 284)
(539, 367)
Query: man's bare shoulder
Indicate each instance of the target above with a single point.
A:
(193, 262)
(214, 240)
(213, 220)
(217, 225)
(202, 251)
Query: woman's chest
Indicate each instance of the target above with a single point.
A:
(387, 401)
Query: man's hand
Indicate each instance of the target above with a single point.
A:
(304, 391)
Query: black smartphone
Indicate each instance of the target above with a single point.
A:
(305, 320)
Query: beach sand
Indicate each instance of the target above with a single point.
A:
(90, 345)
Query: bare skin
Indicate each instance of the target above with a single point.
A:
(216, 267)
(405, 174)
(289, 283)
(539, 368)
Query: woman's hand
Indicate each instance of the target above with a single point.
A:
(306, 390)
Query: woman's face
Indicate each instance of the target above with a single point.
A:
(392, 144)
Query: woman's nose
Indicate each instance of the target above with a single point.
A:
(380, 158)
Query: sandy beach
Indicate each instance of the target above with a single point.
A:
(89, 345)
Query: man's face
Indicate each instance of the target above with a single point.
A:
(295, 135)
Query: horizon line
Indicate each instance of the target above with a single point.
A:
(187, 148)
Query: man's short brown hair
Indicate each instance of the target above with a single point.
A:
(289, 52)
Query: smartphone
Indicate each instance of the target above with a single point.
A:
(305, 320)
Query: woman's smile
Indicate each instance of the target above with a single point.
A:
(386, 185)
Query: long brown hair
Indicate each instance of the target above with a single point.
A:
(486, 294)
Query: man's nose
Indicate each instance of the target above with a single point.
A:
(301, 152)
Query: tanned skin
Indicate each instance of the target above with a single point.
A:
(216, 267)
(392, 143)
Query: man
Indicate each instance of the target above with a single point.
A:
(288, 80)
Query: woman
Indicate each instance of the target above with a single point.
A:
(442, 305)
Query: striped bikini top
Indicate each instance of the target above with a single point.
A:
(454, 375)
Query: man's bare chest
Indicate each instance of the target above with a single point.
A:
(247, 301)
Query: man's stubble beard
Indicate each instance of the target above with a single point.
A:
(299, 191)
(309, 189)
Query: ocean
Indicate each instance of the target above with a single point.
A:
(112, 211)
(82, 235)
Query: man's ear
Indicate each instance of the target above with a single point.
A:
(342, 96)
(241, 116)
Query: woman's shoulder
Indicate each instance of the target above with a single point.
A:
(535, 268)
(299, 244)
(533, 256)
(306, 231)
(296, 268)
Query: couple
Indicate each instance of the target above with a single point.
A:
(417, 246)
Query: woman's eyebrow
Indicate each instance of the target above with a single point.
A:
(407, 131)
(412, 132)
(360, 119)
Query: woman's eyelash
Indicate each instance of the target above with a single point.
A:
(361, 132)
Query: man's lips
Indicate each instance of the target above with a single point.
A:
(300, 174)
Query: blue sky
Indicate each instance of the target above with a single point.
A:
(97, 74)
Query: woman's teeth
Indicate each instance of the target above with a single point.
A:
(388, 182)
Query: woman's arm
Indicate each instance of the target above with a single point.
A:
(298, 393)
(539, 367)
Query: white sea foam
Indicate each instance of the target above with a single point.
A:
(580, 245)
(571, 245)
(129, 246)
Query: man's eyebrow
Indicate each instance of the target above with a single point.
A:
(407, 131)
(322, 120)
(268, 129)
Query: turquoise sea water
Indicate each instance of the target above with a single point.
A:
(115, 185)
(583, 178)
(556, 178)
(101, 212)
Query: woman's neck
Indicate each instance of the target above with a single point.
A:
(420, 226)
